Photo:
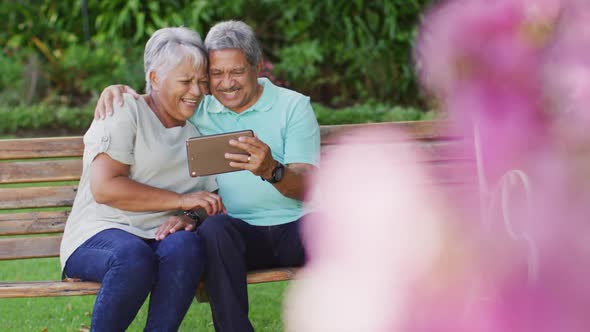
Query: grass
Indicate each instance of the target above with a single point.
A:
(72, 313)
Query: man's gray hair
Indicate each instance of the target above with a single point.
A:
(167, 47)
(236, 35)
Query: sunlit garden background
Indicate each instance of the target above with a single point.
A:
(512, 75)
(352, 57)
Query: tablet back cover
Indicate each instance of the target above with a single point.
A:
(206, 154)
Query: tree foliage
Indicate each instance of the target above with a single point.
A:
(339, 52)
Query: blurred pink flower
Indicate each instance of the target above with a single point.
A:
(388, 255)
(371, 225)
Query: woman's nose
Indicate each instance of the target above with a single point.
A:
(196, 89)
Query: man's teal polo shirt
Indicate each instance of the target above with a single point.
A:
(284, 120)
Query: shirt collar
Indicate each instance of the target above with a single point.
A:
(264, 103)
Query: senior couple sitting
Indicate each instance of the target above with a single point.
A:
(133, 226)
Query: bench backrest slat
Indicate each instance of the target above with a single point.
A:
(50, 147)
(33, 222)
(29, 247)
(26, 176)
(415, 130)
(427, 151)
(40, 171)
(34, 197)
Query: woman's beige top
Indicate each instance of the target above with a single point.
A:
(157, 156)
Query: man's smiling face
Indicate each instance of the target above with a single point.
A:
(234, 82)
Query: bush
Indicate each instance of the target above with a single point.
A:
(11, 80)
(62, 120)
(40, 117)
(338, 52)
(369, 113)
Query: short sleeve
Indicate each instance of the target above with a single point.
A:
(114, 135)
(302, 138)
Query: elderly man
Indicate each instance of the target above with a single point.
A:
(264, 204)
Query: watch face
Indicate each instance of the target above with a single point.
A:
(278, 173)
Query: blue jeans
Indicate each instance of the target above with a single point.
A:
(129, 268)
(233, 247)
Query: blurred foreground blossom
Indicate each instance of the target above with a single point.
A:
(371, 226)
(387, 255)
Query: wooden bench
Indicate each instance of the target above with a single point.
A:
(38, 181)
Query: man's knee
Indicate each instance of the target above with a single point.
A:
(220, 235)
(215, 226)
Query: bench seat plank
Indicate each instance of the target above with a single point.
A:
(254, 277)
(47, 288)
(40, 171)
(29, 247)
(33, 222)
(33, 197)
(62, 288)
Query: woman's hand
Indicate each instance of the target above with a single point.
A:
(104, 105)
(173, 224)
(202, 199)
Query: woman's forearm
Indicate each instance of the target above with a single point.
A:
(123, 193)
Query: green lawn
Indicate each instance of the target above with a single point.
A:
(70, 313)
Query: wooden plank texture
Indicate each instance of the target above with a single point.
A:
(254, 277)
(41, 147)
(278, 274)
(61, 288)
(446, 158)
(415, 130)
(40, 171)
(73, 146)
(29, 247)
(31, 197)
(424, 150)
(33, 222)
(47, 288)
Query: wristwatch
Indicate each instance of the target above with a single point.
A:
(194, 216)
(277, 174)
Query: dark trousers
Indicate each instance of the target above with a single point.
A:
(129, 268)
(233, 247)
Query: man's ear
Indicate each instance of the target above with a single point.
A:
(154, 80)
(259, 67)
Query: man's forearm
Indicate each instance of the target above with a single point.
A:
(294, 182)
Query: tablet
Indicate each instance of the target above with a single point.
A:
(206, 154)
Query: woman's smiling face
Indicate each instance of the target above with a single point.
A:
(180, 90)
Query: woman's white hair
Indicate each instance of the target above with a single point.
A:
(167, 47)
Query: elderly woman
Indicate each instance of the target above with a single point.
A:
(126, 229)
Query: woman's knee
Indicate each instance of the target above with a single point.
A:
(183, 245)
(136, 258)
(111, 251)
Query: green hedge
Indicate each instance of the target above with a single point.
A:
(369, 113)
(39, 117)
(75, 120)
(338, 52)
